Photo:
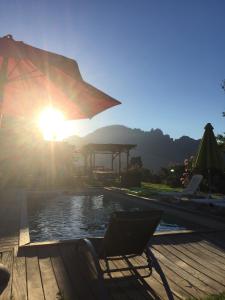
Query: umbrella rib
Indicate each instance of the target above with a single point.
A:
(84, 109)
(21, 72)
(23, 75)
(11, 71)
(49, 77)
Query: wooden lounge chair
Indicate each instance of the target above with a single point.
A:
(127, 236)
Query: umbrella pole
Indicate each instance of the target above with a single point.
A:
(3, 79)
(209, 183)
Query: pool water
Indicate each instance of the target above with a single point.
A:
(69, 217)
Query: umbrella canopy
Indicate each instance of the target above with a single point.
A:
(31, 79)
(208, 157)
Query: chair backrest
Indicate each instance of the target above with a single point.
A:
(130, 232)
(193, 184)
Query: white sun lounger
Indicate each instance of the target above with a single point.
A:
(190, 190)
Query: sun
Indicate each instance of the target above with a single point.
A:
(51, 122)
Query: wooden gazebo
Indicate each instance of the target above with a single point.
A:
(115, 150)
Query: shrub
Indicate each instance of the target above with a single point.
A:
(188, 169)
(171, 175)
(132, 178)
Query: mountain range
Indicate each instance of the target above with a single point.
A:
(156, 149)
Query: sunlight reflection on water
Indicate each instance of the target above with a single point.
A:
(69, 217)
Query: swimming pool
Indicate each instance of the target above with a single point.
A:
(74, 216)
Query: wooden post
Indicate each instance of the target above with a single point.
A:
(93, 160)
(112, 160)
(3, 79)
(85, 163)
(128, 156)
(119, 163)
(90, 162)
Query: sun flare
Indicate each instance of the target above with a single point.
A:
(51, 122)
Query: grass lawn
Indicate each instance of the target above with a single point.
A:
(220, 296)
(149, 189)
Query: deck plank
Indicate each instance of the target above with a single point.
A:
(71, 264)
(200, 245)
(61, 275)
(186, 271)
(216, 238)
(134, 286)
(34, 282)
(50, 286)
(177, 274)
(115, 284)
(198, 258)
(203, 282)
(206, 274)
(208, 260)
(212, 248)
(153, 289)
(206, 251)
(112, 290)
(19, 284)
(177, 290)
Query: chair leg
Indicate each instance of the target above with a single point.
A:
(160, 272)
(149, 261)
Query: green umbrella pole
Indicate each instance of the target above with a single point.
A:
(209, 183)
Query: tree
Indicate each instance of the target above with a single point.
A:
(223, 87)
(136, 162)
(172, 174)
(221, 137)
(20, 144)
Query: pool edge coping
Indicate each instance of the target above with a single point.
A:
(156, 234)
(24, 234)
(218, 224)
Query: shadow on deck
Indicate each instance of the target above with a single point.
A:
(194, 265)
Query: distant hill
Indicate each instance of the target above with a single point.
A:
(156, 149)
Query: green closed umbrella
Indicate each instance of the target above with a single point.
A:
(209, 157)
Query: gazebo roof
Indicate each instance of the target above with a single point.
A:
(111, 148)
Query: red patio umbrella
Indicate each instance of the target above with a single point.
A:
(31, 79)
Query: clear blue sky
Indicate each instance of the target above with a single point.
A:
(164, 60)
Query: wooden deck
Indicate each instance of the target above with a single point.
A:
(194, 265)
